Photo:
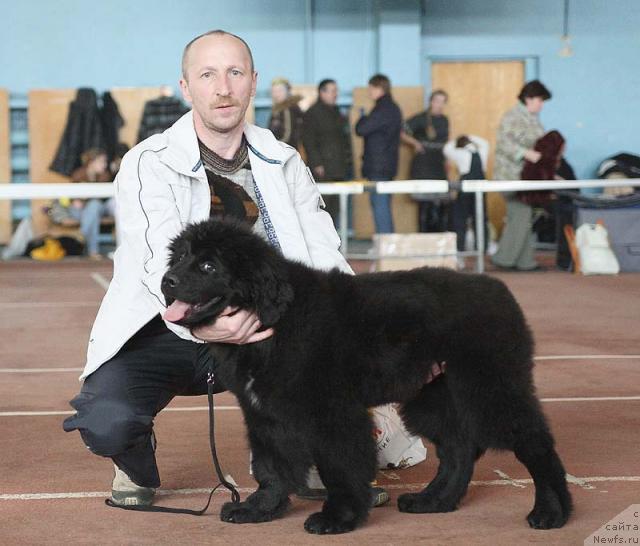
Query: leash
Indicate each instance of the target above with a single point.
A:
(235, 495)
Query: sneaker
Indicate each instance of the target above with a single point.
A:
(379, 495)
(315, 490)
(126, 493)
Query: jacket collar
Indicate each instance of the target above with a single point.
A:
(384, 99)
(524, 112)
(182, 153)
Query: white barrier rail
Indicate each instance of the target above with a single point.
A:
(480, 187)
(78, 190)
(343, 190)
(102, 190)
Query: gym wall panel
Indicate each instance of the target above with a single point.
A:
(47, 118)
(5, 166)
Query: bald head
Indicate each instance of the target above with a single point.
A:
(185, 53)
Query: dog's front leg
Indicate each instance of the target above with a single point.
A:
(346, 459)
(271, 499)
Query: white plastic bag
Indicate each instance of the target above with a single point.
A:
(396, 448)
(596, 256)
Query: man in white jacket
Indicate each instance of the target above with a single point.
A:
(136, 362)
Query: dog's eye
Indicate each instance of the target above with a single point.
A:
(207, 267)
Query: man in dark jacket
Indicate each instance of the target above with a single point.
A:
(325, 135)
(381, 132)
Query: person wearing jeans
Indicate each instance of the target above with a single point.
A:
(381, 132)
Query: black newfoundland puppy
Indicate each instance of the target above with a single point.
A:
(344, 344)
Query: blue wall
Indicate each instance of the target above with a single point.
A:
(73, 43)
(596, 92)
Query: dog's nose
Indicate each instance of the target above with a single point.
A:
(170, 281)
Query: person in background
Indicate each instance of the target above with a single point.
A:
(427, 133)
(518, 132)
(326, 140)
(286, 117)
(89, 211)
(381, 132)
(469, 153)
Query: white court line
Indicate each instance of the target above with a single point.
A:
(204, 490)
(587, 357)
(507, 478)
(579, 482)
(229, 408)
(553, 357)
(71, 412)
(39, 370)
(591, 399)
(46, 304)
(104, 283)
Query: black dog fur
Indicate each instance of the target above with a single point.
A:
(343, 344)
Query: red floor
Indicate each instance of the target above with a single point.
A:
(591, 393)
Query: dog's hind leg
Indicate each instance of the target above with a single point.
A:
(432, 415)
(552, 507)
(446, 490)
(346, 460)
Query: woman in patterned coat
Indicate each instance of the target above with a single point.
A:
(519, 130)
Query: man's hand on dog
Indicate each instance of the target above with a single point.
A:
(233, 326)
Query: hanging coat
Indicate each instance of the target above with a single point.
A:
(83, 131)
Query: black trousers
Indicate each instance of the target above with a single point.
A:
(464, 207)
(118, 402)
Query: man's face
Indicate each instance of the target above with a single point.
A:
(99, 164)
(329, 94)
(219, 82)
(438, 102)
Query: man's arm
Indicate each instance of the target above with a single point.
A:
(483, 148)
(375, 121)
(319, 232)
(310, 140)
(148, 217)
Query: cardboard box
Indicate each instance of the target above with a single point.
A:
(397, 251)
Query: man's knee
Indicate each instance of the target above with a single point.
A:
(108, 427)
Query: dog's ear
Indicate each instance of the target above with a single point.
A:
(270, 290)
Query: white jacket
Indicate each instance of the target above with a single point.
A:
(162, 187)
(461, 157)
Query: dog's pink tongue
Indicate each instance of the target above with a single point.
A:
(176, 311)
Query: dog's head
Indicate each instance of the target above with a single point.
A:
(214, 264)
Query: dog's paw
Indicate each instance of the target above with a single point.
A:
(421, 503)
(243, 512)
(546, 517)
(322, 524)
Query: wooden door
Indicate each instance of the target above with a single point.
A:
(479, 94)
(404, 208)
(5, 166)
